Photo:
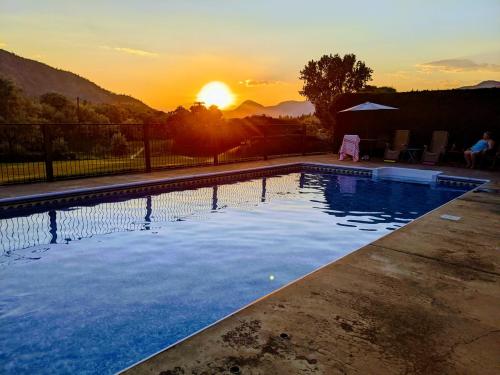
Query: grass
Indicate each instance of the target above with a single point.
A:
(35, 171)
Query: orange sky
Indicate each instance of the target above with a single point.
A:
(163, 52)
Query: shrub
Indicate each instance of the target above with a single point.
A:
(119, 144)
(59, 148)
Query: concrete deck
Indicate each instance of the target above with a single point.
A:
(423, 300)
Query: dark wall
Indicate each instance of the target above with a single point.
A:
(466, 114)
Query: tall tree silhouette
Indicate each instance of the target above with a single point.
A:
(329, 77)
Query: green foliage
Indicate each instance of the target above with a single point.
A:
(329, 77)
(194, 132)
(55, 108)
(59, 148)
(378, 89)
(57, 101)
(14, 107)
(9, 101)
(200, 131)
(114, 114)
(119, 144)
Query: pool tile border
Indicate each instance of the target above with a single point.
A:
(155, 186)
(89, 195)
(459, 181)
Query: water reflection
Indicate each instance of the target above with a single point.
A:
(77, 222)
(362, 201)
(355, 202)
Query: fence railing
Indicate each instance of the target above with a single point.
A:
(48, 152)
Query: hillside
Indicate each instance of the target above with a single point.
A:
(483, 85)
(36, 78)
(288, 108)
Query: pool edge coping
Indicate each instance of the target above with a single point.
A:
(27, 201)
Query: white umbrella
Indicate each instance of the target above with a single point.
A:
(367, 106)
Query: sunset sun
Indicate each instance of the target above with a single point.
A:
(216, 93)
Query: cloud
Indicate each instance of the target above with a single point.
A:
(254, 83)
(137, 52)
(3, 45)
(458, 65)
(132, 51)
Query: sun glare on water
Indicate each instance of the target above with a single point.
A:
(216, 93)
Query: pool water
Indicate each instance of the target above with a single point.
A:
(93, 289)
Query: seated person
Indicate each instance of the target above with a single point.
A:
(479, 148)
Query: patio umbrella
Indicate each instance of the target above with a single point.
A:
(367, 106)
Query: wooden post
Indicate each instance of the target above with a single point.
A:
(147, 147)
(47, 145)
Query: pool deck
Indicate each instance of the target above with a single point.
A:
(424, 299)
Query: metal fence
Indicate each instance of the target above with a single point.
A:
(48, 152)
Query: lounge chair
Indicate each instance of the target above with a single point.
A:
(433, 154)
(489, 158)
(400, 143)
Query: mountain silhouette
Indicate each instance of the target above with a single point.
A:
(291, 108)
(483, 85)
(36, 78)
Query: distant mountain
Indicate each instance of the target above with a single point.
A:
(483, 85)
(36, 78)
(291, 108)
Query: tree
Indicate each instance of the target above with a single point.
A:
(58, 109)
(195, 130)
(17, 141)
(13, 106)
(378, 89)
(329, 77)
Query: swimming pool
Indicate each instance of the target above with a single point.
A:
(96, 286)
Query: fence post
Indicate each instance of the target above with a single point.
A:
(147, 147)
(303, 139)
(47, 146)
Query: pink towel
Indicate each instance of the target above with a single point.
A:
(350, 146)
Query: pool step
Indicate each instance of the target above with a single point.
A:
(423, 176)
